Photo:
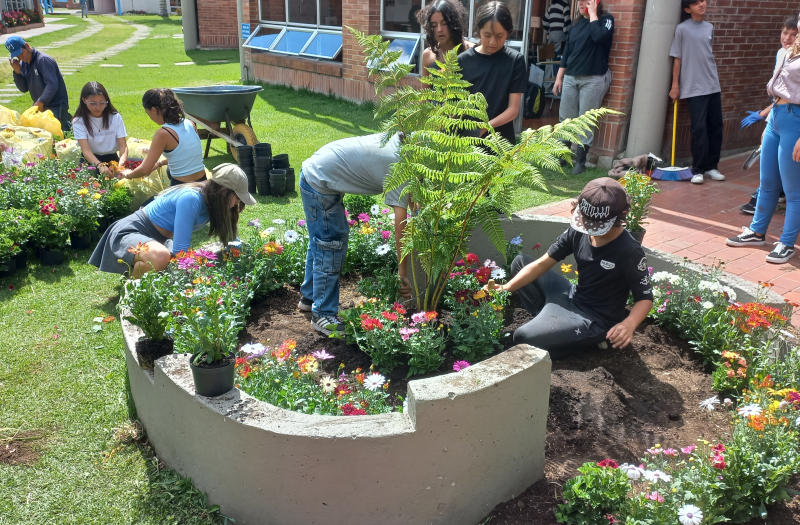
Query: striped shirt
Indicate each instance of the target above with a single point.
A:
(557, 17)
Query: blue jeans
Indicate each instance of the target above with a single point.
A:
(328, 234)
(778, 168)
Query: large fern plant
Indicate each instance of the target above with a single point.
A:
(456, 180)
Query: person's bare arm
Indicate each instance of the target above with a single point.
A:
(621, 334)
(527, 275)
(122, 146)
(675, 92)
(510, 113)
(148, 164)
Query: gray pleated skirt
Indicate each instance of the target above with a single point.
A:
(133, 229)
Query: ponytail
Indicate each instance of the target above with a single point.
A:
(168, 105)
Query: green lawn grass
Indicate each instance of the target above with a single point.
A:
(71, 389)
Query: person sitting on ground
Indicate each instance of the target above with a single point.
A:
(695, 78)
(494, 69)
(99, 129)
(37, 73)
(444, 22)
(177, 140)
(788, 36)
(583, 77)
(611, 264)
(356, 165)
(780, 162)
(148, 238)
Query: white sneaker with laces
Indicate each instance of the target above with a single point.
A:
(715, 175)
(697, 178)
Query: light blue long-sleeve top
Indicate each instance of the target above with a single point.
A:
(181, 211)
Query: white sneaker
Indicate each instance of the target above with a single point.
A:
(715, 175)
(697, 178)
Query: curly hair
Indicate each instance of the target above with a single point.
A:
(167, 103)
(455, 17)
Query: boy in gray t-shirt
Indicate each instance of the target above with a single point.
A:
(356, 165)
(695, 78)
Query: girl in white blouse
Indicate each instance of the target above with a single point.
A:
(99, 129)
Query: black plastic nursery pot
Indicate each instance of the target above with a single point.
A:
(280, 162)
(51, 257)
(290, 180)
(277, 189)
(262, 184)
(213, 381)
(262, 149)
(21, 259)
(103, 223)
(639, 236)
(262, 163)
(245, 155)
(80, 242)
(10, 267)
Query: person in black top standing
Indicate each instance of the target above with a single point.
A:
(495, 70)
(584, 74)
(611, 265)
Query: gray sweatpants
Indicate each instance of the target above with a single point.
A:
(582, 93)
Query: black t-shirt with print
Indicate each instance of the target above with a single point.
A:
(496, 76)
(606, 274)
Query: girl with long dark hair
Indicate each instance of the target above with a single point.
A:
(99, 129)
(177, 141)
(494, 69)
(444, 22)
(148, 238)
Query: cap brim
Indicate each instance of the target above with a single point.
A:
(16, 53)
(246, 198)
(580, 224)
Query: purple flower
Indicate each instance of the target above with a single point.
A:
(301, 223)
(385, 211)
(351, 222)
(30, 164)
(211, 256)
(458, 366)
(386, 234)
(27, 179)
(187, 263)
(322, 354)
(363, 217)
(255, 223)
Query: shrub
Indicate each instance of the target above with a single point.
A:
(116, 203)
(358, 204)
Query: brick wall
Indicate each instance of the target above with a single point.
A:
(746, 38)
(217, 23)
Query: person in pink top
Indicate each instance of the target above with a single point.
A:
(780, 161)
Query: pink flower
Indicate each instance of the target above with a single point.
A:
(417, 318)
(654, 451)
(211, 256)
(655, 496)
(719, 447)
(352, 223)
(322, 355)
(301, 223)
(408, 332)
(460, 365)
(689, 449)
(363, 217)
(385, 211)
(670, 452)
(718, 461)
(608, 463)
(386, 234)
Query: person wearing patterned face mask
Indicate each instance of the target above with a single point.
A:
(610, 265)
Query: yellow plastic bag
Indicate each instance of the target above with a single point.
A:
(25, 144)
(9, 116)
(68, 149)
(34, 118)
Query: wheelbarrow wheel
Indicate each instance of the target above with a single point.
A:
(243, 134)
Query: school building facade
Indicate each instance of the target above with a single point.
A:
(301, 43)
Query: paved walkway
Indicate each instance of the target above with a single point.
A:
(94, 28)
(693, 221)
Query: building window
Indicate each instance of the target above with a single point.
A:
(298, 41)
(17, 5)
(325, 13)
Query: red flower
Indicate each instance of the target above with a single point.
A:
(608, 463)
(430, 316)
(536, 246)
(462, 295)
(718, 448)
(483, 273)
(349, 410)
(472, 258)
(390, 316)
(342, 390)
(364, 316)
(240, 361)
(399, 308)
(718, 461)
(370, 324)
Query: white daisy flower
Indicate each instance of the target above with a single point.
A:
(710, 286)
(375, 209)
(383, 249)
(749, 410)
(690, 515)
(290, 236)
(663, 276)
(391, 216)
(498, 273)
(797, 421)
(270, 230)
(656, 475)
(253, 348)
(709, 403)
(374, 381)
(278, 221)
(707, 305)
(328, 384)
(730, 291)
(632, 471)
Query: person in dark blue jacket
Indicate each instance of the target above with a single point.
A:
(584, 73)
(38, 74)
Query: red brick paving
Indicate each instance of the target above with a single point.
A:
(693, 221)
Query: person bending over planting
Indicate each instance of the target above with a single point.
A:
(356, 165)
(611, 264)
(148, 238)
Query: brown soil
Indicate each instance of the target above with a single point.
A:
(148, 351)
(605, 404)
(20, 450)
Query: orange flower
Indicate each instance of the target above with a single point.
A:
(139, 248)
(360, 378)
(756, 422)
(109, 319)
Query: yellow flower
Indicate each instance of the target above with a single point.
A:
(479, 295)
(576, 272)
(296, 374)
(497, 307)
(96, 196)
(566, 268)
(83, 191)
(475, 313)
(263, 234)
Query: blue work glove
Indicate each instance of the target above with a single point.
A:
(751, 118)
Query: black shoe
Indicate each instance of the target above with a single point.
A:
(782, 198)
(305, 304)
(754, 195)
(781, 253)
(747, 238)
(327, 324)
(580, 161)
(748, 208)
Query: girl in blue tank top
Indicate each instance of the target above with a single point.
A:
(177, 140)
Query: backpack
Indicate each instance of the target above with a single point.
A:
(534, 101)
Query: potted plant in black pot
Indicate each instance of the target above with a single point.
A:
(145, 303)
(115, 204)
(8, 253)
(640, 190)
(51, 233)
(83, 206)
(206, 325)
(17, 225)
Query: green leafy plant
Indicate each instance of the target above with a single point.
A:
(116, 203)
(51, 232)
(83, 207)
(358, 204)
(8, 250)
(383, 286)
(17, 225)
(146, 302)
(640, 189)
(460, 181)
(592, 496)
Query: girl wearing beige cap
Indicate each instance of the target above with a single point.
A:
(147, 239)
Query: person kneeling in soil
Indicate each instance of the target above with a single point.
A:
(356, 165)
(147, 239)
(611, 264)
